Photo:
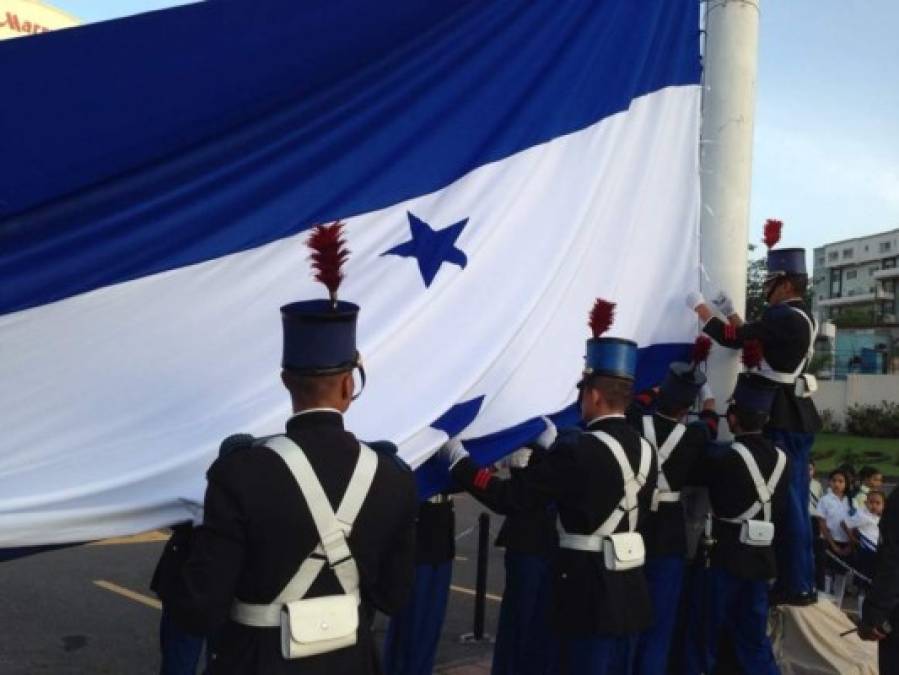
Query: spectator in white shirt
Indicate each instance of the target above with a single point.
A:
(871, 480)
(833, 509)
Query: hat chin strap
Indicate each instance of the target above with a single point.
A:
(362, 376)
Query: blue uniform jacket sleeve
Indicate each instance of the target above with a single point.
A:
(553, 477)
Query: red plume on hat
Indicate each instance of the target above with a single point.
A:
(601, 317)
(772, 231)
(328, 253)
(701, 349)
(752, 354)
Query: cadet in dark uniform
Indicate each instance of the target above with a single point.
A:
(748, 489)
(880, 613)
(787, 333)
(312, 529)
(414, 632)
(602, 482)
(524, 641)
(679, 449)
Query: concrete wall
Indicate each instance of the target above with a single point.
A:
(838, 395)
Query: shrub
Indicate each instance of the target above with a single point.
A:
(829, 422)
(881, 421)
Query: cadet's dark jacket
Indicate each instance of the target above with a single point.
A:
(435, 532)
(882, 601)
(257, 530)
(785, 341)
(583, 478)
(665, 531)
(731, 492)
(531, 532)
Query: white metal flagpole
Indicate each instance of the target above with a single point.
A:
(728, 110)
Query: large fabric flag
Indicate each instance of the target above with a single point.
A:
(498, 166)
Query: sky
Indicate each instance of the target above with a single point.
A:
(826, 148)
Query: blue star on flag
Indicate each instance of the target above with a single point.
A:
(431, 248)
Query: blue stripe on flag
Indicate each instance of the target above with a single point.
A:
(290, 114)
(652, 363)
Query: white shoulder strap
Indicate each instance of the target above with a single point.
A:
(649, 430)
(811, 339)
(764, 489)
(632, 483)
(663, 452)
(332, 528)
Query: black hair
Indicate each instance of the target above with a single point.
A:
(840, 472)
(617, 391)
(867, 471)
(748, 420)
(671, 408)
(799, 283)
(879, 493)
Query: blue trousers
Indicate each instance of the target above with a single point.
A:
(598, 655)
(414, 631)
(180, 651)
(793, 540)
(737, 610)
(524, 642)
(665, 576)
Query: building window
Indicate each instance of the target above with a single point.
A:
(884, 246)
(872, 271)
(847, 253)
(889, 264)
(833, 255)
(851, 274)
(820, 261)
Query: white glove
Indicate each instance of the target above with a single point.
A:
(695, 299)
(520, 458)
(452, 452)
(548, 436)
(723, 303)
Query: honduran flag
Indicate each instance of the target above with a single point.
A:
(498, 165)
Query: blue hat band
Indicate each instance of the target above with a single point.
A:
(786, 261)
(613, 357)
(319, 338)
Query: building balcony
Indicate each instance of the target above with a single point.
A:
(858, 299)
(891, 273)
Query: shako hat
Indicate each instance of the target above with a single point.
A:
(609, 356)
(754, 392)
(320, 335)
(782, 261)
(683, 381)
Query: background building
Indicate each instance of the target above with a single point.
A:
(854, 285)
(19, 18)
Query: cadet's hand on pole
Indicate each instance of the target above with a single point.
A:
(694, 300)
(548, 436)
(452, 452)
(723, 304)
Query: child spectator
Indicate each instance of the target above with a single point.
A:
(863, 529)
(833, 509)
(871, 480)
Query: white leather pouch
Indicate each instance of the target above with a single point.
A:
(623, 551)
(318, 625)
(756, 533)
(806, 385)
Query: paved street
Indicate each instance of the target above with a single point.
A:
(88, 609)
